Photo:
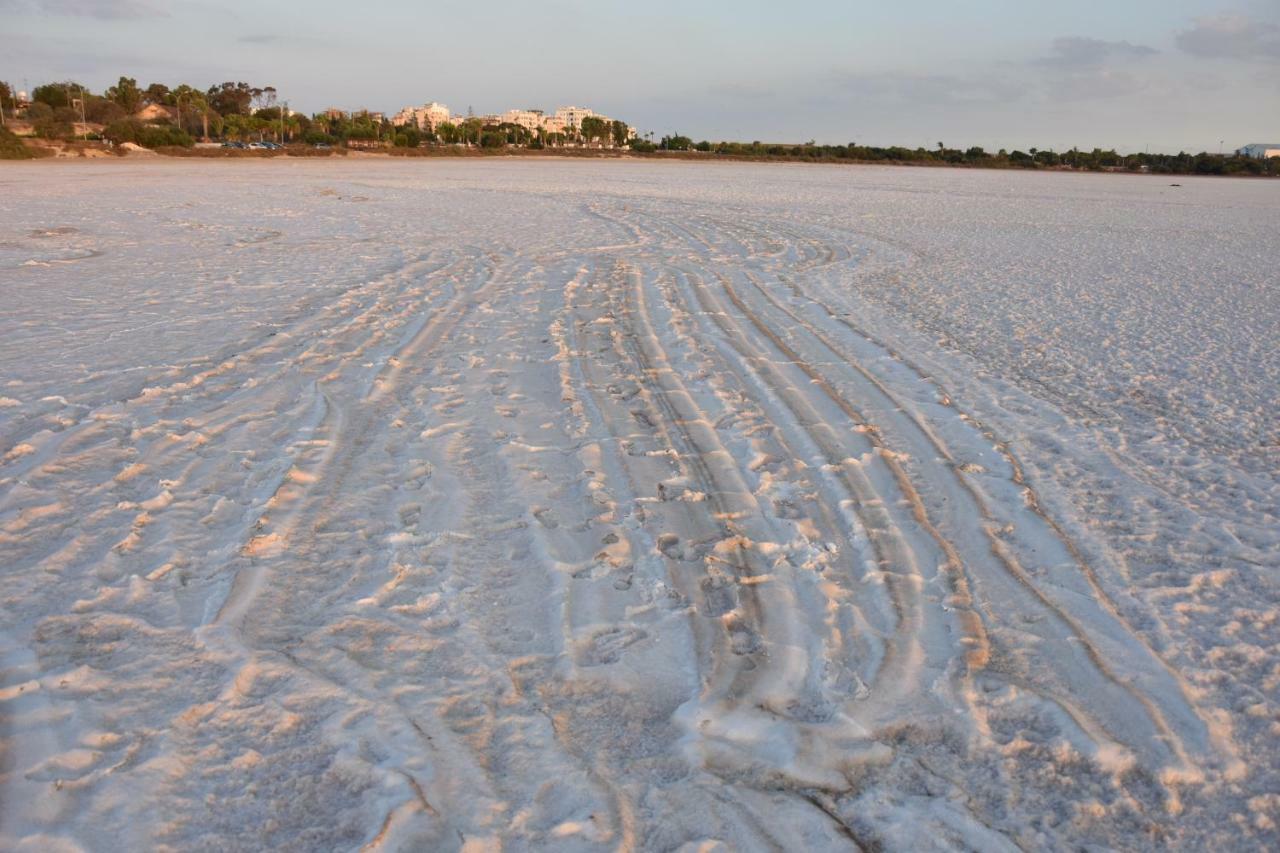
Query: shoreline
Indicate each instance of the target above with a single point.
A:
(681, 157)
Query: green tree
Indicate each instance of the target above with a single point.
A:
(102, 110)
(127, 94)
(593, 129)
(620, 133)
(157, 93)
(56, 94)
(232, 98)
(471, 129)
(193, 111)
(407, 137)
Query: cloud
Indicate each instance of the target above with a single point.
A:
(1231, 37)
(103, 10)
(1082, 52)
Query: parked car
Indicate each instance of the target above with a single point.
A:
(233, 144)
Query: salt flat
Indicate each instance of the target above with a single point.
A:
(591, 505)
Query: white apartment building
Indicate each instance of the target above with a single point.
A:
(531, 119)
(426, 117)
(432, 115)
(573, 116)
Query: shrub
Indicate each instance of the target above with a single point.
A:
(11, 147)
(103, 111)
(147, 135)
(53, 127)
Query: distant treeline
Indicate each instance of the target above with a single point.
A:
(158, 116)
(182, 114)
(243, 112)
(1097, 160)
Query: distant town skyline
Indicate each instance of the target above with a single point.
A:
(1134, 76)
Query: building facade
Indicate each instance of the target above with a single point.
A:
(564, 120)
(573, 116)
(426, 117)
(529, 119)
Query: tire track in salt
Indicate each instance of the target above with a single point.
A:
(1191, 733)
(979, 507)
(772, 692)
(894, 553)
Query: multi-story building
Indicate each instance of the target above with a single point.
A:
(565, 119)
(436, 114)
(426, 117)
(530, 119)
(573, 116)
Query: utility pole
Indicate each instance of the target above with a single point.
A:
(71, 102)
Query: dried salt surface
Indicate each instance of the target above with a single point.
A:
(569, 505)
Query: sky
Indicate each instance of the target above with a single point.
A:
(1158, 75)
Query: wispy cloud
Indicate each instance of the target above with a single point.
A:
(1083, 52)
(1231, 37)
